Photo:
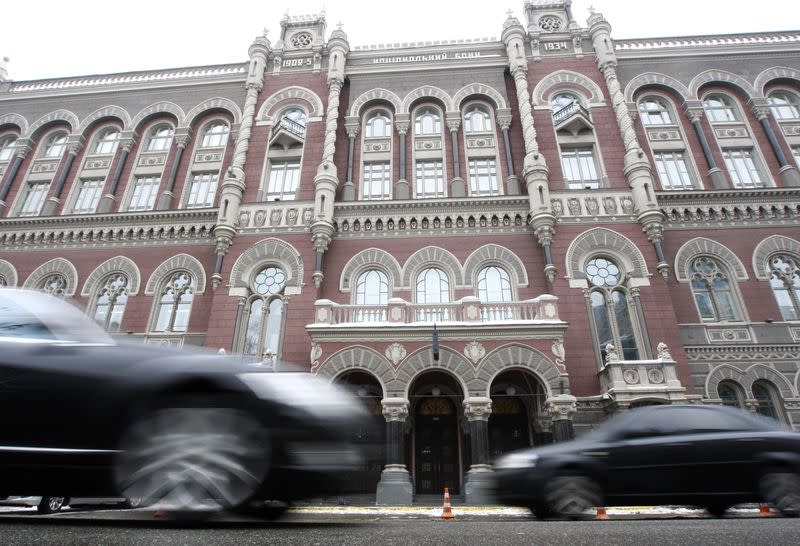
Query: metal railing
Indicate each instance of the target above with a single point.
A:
(290, 126)
(568, 111)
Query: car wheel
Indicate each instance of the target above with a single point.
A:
(717, 510)
(572, 497)
(133, 502)
(782, 490)
(540, 511)
(193, 456)
(50, 505)
(264, 509)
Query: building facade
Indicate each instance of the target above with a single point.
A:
(496, 243)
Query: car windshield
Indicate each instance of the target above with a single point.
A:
(32, 315)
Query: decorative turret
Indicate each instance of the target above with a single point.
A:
(534, 167)
(4, 69)
(636, 166)
(327, 180)
(233, 185)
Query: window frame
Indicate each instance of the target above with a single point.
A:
(790, 283)
(578, 150)
(727, 111)
(677, 158)
(437, 166)
(102, 145)
(426, 111)
(741, 161)
(270, 301)
(648, 115)
(473, 109)
(369, 180)
(177, 307)
(151, 197)
(371, 117)
(23, 199)
(790, 106)
(54, 145)
(210, 186)
(285, 193)
(8, 142)
(156, 142)
(99, 186)
(737, 309)
(209, 139)
(116, 293)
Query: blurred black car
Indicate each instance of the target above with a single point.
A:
(709, 456)
(84, 415)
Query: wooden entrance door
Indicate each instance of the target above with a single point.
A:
(436, 447)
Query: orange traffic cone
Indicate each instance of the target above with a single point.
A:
(764, 511)
(447, 513)
(601, 514)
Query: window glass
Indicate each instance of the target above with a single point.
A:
(672, 171)
(55, 145)
(88, 196)
(372, 288)
(784, 271)
(54, 284)
(35, 194)
(610, 309)
(712, 290)
(729, 394)
(477, 120)
(432, 287)
(175, 304)
(7, 147)
(429, 182)
(764, 393)
(283, 179)
(784, 105)
(494, 284)
(742, 167)
(111, 302)
(144, 194)
(216, 135)
(376, 182)
(580, 169)
(265, 314)
(202, 191)
(428, 122)
(654, 112)
(720, 108)
(483, 177)
(563, 100)
(160, 138)
(107, 142)
(378, 125)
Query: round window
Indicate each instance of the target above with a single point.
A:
(302, 39)
(602, 272)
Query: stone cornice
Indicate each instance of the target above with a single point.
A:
(449, 333)
(723, 44)
(730, 208)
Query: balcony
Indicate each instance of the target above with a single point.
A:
(573, 118)
(287, 133)
(629, 382)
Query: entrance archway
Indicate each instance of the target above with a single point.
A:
(516, 422)
(437, 442)
(371, 440)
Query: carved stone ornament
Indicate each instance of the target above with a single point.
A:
(316, 353)
(592, 206)
(562, 406)
(244, 218)
(663, 351)
(308, 215)
(611, 353)
(550, 23)
(558, 207)
(474, 351)
(574, 205)
(291, 217)
(655, 375)
(478, 409)
(395, 409)
(558, 351)
(631, 376)
(610, 204)
(627, 205)
(260, 218)
(395, 353)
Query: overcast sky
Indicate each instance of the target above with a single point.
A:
(49, 38)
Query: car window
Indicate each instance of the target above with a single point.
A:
(17, 322)
(686, 420)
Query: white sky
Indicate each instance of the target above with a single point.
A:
(56, 38)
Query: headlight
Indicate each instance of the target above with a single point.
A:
(517, 460)
(304, 391)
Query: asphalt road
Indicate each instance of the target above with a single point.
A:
(140, 528)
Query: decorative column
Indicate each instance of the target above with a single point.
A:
(351, 124)
(181, 140)
(478, 483)
(401, 124)
(641, 320)
(562, 408)
(504, 121)
(75, 144)
(534, 167)
(127, 140)
(788, 172)
(457, 186)
(694, 111)
(395, 484)
(636, 167)
(233, 185)
(21, 151)
(326, 181)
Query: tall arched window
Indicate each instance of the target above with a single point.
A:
(372, 288)
(160, 138)
(477, 119)
(494, 286)
(264, 315)
(215, 135)
(55, 145)
(54, 284)
(712, 290)
(111, 301)
(610, 312)
(378, 125)
(433, 287)
(7, 147)
(784, 105)
(653, 111)
(428, 122)
(730, 394)
(560, 101)
(107, 141)
(768, 399)
(784, 271)
(720, 108)
(175, 303)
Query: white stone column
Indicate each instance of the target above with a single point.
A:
(477, 487)
(395, 488)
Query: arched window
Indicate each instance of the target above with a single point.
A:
(784, 105)
(610, 311)
(428, 122)
(107, 141)
(294, 120)
(378, 125)
(215, 135)
(768, 399)
(264, 316)
(712, 290)
(7, 147)
(372, 288)
(432, 287)
(54, 284)
(175, 303)
(111, 300)
(494, 284)
(784, 271)
(160, 138)
(560, 101)
(477, 119)
(654, 112)
(730, 394)
(55, 145)
(720, 108)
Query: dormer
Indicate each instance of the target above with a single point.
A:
(548, 16)
(303, 32)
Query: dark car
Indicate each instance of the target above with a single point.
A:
(710, 456)
(85, 415)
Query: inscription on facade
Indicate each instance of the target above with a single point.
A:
(554, 46)
(425, 58)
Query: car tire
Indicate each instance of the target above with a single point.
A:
(193, 455)
(540, 511)
(132, 503)
(717, 510)
(572, 496)
(268, 510)
(781, 489)
(50, 505)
